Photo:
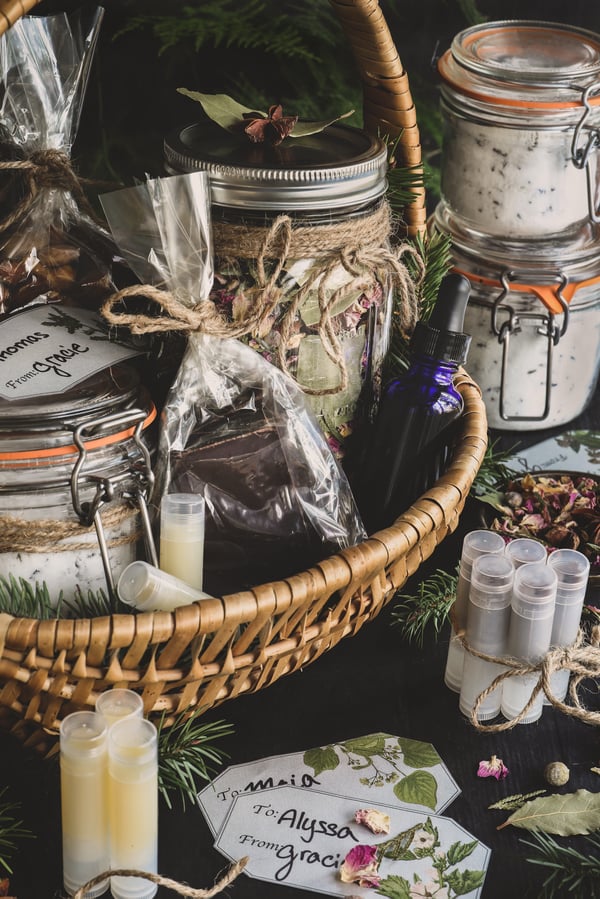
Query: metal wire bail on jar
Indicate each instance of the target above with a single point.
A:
(70, 463)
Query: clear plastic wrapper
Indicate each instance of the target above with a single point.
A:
(234, 427)
(51, 248)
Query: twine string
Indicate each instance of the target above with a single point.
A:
(43, 170)
(183, 889)
(581, 659)
(51, 536)
(365, 260)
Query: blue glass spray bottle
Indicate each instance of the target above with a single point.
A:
(411, 437)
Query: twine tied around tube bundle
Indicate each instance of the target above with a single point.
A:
(181, 888)
(359, 247)
(581, 659)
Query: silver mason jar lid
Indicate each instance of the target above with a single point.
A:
(338, 168)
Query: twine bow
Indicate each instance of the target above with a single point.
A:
(44, 170)
(366, 264)
(181, 888)
(581, 659)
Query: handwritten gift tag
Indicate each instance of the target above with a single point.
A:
(374, 768)
(301, 837)
(48, 349)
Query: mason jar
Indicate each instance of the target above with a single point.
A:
(75, 471)
(534, 319)
(301, 232)
(520, 103)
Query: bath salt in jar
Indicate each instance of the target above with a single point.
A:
(303, 262)
(521, 109)
(534, 318)
(75, 472)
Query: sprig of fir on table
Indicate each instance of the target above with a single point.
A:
(12, 830)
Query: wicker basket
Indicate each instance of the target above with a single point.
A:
(205, 653)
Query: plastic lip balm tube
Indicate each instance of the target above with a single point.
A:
(522, 550)
(572, 570)
(488, 620)
(84, 811)
(133, 805)
(532, 613)
(149, 589)
(119, 703)
(475, 544)
(182, 537)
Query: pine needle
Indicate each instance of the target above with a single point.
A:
(572, 873)
(186, 752)
(11, 830)
(430, 606)
(494, 470)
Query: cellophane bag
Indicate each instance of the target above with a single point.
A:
(234, 428)
(52, 249)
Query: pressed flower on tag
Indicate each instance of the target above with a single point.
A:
(376, 821)
(495, 767)
(360, 866)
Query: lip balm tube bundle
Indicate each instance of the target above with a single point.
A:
(532, 612)
(133, 805)
(84, 808)
(488, 620)
(572, 570)
(475, 544)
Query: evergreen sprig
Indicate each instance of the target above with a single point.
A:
(11, 831)
(570, 872)
(429, 607)
(20, 598)
(494, 470)
(186, 751)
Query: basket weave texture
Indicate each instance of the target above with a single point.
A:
(205, 653)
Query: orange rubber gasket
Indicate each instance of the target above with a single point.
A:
(71, 449)
(508, 101)
(544, 292)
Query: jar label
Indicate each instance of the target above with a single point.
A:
(49, 349)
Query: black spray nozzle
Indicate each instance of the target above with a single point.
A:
(442, 335)
(449, 310)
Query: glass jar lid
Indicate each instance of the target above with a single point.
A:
(524, 64)
(35, 427)
(340, 167)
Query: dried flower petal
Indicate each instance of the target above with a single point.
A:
(274, 127)
(376, 821)
(494, 768)
(360, 866)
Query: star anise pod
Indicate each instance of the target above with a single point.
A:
(272, 128)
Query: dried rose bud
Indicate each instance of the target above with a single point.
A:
(494, 768)
(376, 821)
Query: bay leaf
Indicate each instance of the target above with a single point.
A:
(563, 814)
(303, 129)
(223, 110)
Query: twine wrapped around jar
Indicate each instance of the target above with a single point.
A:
(48, 535)
(358, 245)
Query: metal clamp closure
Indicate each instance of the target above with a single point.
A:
(581, 150)
(512, 326)
(140, 473)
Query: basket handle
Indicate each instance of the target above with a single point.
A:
(12, 10)
(388, 104)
